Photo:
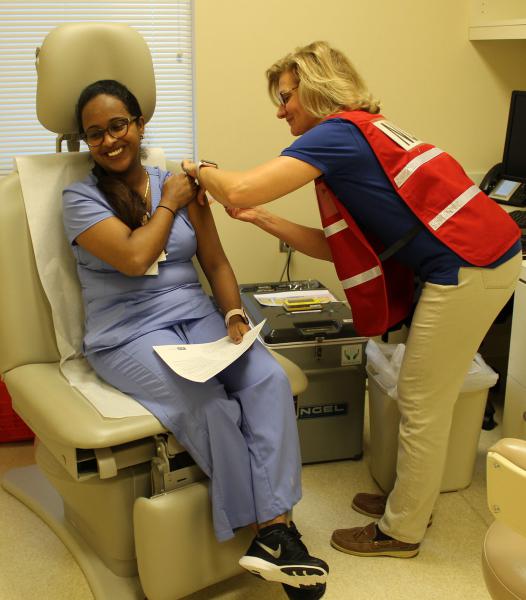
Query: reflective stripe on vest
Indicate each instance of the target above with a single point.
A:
(363, 277)
(454, 207)
(414, 164)
(360, 278)
(335, 228)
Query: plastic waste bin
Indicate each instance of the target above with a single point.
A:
(383, 366)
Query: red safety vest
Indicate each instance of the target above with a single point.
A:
(439, 193)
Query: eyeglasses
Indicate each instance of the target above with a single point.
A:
(117, 128)
(284, 97)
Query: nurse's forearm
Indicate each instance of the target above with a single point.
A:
(261, 184)
(237, 188)
(223, 186)
(308, 240)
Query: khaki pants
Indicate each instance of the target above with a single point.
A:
(448, 327)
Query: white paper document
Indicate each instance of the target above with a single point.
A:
(153, 269)
(200, 362)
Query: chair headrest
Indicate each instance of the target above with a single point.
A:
(75, 55)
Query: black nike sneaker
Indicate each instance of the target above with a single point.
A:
(309, 592)
(278, 554)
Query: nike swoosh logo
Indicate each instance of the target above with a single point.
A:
(275, 553)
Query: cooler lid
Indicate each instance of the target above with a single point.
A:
(331, 322)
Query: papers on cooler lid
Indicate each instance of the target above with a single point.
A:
(200, 362)
(279, 298)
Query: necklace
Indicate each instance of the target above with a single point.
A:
(147, 187)
(148, 215)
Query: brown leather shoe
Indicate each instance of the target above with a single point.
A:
(373, 505)
(360, 541)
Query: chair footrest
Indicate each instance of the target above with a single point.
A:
(177, 553)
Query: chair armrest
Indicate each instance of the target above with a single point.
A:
(506, 481)
(297, 378)
(58, 413)
(512, 449)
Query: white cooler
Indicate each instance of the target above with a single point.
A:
(514, 416)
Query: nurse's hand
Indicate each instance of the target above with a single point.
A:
(178, 191)
(237, 329)
(248, 215)
(190, 168)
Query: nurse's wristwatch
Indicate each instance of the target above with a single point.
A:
(201, 165)
(235, 311)
(206, 163)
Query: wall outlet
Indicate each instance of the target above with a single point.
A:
(284, 247)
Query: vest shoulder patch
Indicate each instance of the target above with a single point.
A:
(405, 140)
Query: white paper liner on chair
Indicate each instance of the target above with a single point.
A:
(42, 178)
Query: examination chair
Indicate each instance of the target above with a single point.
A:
(504, 552)
(120, 491)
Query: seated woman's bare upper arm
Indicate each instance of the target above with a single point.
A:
(107, 240)
(210, 251)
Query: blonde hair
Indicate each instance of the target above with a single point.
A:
(327, 81)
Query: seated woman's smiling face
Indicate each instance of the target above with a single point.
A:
(116, 153)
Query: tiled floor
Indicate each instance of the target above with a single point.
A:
(35, 564)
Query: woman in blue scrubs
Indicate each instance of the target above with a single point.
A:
(134, 231)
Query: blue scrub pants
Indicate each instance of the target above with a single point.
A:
(239, 427)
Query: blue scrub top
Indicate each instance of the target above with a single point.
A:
(119, 308)
(339, 150)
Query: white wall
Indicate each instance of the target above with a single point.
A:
(414, 55)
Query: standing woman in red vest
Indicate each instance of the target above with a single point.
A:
(392, 207)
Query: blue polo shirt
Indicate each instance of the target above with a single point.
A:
(338, 149)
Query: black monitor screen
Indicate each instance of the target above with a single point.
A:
(514, 158)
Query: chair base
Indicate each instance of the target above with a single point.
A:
(29, 485)
(503, 563)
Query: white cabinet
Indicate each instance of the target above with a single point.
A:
(517, 358)
(514, 419)
(497, 20)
